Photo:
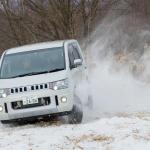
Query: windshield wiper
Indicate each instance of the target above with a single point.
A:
(55, 70)
(30, 74)
(36, 73)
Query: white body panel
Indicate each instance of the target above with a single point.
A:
(74, 77)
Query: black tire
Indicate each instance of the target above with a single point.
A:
(76, 115)
(5, 122)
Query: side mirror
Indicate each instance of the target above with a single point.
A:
(77, 62)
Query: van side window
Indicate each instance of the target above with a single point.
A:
(76, 52)
(71, 56)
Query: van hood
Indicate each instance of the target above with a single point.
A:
(32, 80)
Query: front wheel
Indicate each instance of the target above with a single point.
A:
(76, 115)
(5, 121)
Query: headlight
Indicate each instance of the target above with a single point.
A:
(4, 93)
(58, 85)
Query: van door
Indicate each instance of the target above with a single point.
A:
(76, 71)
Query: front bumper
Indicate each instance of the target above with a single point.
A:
(55, 106)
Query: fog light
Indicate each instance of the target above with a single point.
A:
(55, 87)
(63, 99)
(1, 108)
(4, 95)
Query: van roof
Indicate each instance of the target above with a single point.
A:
(37, 46)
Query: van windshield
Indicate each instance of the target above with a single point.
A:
(32, 62)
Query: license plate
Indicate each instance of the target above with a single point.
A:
(29, 101)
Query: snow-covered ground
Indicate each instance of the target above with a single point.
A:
(116, 132)
(113, 93)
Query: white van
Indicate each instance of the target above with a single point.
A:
(40, 80)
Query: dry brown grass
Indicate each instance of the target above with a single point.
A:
(140, 115)
(139, 137)
(90, 138)
(122, 114)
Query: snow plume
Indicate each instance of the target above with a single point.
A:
(118, 56)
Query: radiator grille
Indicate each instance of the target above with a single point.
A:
(29, 88)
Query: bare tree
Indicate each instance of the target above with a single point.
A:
(28, 21)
